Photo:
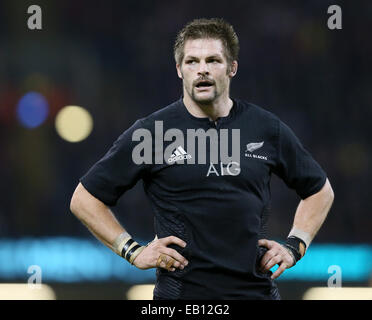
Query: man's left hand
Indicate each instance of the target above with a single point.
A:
(276, 254)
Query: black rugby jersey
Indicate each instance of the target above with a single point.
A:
(209, 184)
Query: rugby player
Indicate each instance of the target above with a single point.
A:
(206, 161)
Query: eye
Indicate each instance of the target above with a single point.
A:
(190, 62)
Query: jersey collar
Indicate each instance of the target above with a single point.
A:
(205, 120)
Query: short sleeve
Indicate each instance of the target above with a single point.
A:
(296, 166)
(116, 172)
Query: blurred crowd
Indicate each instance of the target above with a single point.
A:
(115, 59)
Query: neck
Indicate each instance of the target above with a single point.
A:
(218, 108)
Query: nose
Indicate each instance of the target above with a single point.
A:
(203, 68)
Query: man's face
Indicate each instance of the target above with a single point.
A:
(205, 71)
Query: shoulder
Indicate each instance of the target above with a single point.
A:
(165, 113)
(254, 111)
(258, 118)
(268, 123)
(168, 112)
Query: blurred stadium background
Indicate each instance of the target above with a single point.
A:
(69, 90)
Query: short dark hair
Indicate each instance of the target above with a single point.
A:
(214, 28)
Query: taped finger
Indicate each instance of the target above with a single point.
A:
(169, 264)
(162, 258)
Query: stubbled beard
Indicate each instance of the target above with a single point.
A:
(204, 101)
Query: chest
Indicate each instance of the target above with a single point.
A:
(242, 158)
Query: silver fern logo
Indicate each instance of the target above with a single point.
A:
(254, 146)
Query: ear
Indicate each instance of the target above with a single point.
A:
(233, 69)
(179, 72)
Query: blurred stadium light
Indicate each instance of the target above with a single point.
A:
(32, 109)
(338, 294)
(74, 123)
(141, 292)
(65, 259)
(19, 291)
(355, 262)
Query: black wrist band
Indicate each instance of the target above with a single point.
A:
(297, 247)
(131, 251)
(126, 246)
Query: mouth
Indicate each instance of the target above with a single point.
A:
(204, 84)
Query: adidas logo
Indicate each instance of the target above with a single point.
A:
(179, 154)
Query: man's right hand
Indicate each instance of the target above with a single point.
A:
(157, 254)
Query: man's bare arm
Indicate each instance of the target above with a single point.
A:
(99, 219)
(96, 216)
(309, 217)
(312, 212)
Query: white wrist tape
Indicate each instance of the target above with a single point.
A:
(120, 241)
(305, 236)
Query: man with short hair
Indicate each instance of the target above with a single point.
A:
(206, 162)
